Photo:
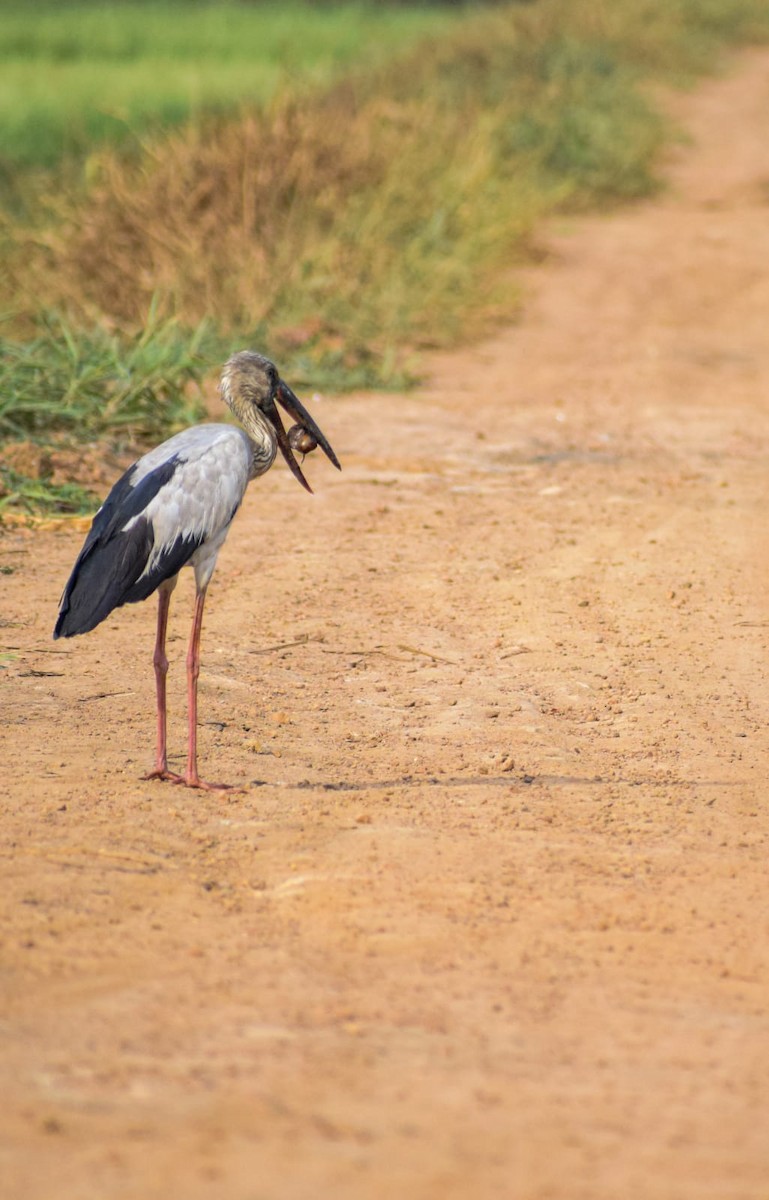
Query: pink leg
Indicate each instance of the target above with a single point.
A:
(160, 662)
(192, 779)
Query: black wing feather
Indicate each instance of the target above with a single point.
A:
(170, 563)
(106, 573)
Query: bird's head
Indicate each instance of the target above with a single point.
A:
(252, 388)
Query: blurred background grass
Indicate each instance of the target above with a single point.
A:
(341, 184)
(75, 75)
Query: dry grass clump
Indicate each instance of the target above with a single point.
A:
(275, 217)
(221, 220)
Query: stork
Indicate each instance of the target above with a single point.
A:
(173, 508)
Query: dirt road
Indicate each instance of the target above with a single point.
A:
(491, 915)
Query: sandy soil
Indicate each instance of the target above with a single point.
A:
(490, 915)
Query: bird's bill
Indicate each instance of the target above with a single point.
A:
(299, 413)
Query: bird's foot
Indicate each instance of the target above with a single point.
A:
(164, 774)
(191, 781)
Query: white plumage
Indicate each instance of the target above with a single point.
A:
(202, 496)
(174, 508)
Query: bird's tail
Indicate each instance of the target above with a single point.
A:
(101, 579)
(84, 603)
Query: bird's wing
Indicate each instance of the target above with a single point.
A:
(195, 506)
(156, 516)
(111, 559)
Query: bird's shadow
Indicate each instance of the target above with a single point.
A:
(520, 781)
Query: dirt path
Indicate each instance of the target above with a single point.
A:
(495, 922)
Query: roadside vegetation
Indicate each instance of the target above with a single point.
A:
(339, 222)
(81, 74)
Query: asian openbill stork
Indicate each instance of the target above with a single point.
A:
(173, 508)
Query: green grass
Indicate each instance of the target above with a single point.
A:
(75, 75)
(64, 388)
(88, 384)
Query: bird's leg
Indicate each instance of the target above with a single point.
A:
(160, 662)
(192, 779)
(193, 671)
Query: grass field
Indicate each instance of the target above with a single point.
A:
(74, 75)
(345, 223)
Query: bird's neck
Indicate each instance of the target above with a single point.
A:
(260, 433)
